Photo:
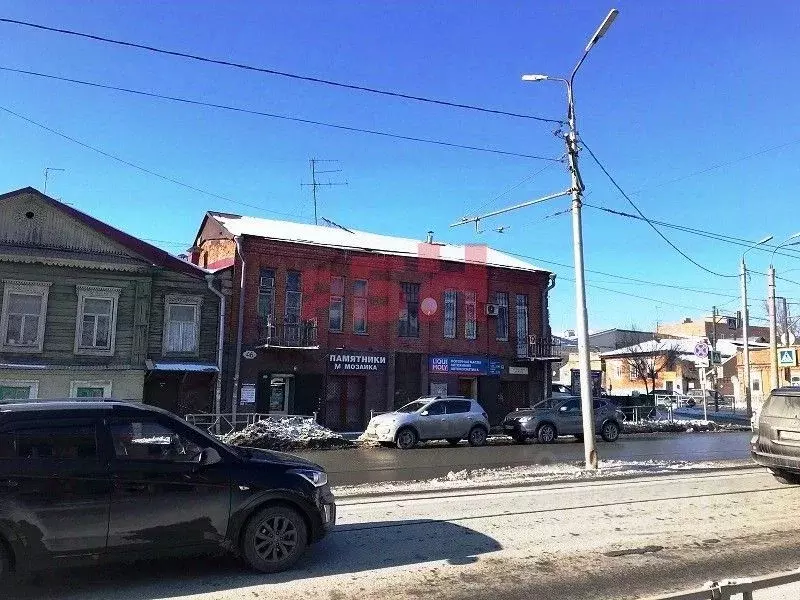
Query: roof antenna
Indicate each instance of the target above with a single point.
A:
(315, 184)
(47, 171)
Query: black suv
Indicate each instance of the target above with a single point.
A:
(114, 480)
(776, 439)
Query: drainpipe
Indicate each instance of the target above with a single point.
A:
(239, 325)
(220, 346)
(548, 376)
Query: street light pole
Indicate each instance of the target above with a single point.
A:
(745, 333)
(773, 318)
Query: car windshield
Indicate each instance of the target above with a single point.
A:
(413, 406)
(545, 404)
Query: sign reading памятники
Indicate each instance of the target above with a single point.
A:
(357, 362)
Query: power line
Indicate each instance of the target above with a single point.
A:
(139, 167)
(510, 189)
(277, 115)
(268, 71)
(641, 214)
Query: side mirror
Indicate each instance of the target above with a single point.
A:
(209, 457)
(424, 413)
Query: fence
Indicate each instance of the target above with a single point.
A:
(224, 423)
(728, 588)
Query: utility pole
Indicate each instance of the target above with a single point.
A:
(714, 358)
(315, 184)
(773, 329)
(748, 397)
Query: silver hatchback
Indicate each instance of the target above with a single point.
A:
(450, 418)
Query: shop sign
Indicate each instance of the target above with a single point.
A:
(248, 393)
(347, 363)
(464, 365)
(517, 370)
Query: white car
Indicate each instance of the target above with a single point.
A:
(450, 418)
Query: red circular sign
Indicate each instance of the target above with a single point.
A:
(429, 307)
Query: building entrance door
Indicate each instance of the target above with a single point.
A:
(468, 387)
(345, 402)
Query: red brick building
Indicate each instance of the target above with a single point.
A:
(343, 322)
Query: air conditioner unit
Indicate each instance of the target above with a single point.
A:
(492, 310)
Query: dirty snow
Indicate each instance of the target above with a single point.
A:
(678, 425)
(524, 475)
(287, 433)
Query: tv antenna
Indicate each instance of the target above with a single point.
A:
(315, 184)
(47, 171)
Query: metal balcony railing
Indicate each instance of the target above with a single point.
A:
(289, 335)
(539, 347)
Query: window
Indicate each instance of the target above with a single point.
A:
(633, 372)
(450, 300)
(294, 304)
(458, 406)
(336, 311)
(51, 442)
(409, 310)
(573, 405)
(756, 385)
(23, 315)
(90, 389)
(437, 408)
(96, 323)
(470, 316)
(522, 325)
(181, 324)
(360, 306)
(148, 440)
(266, 296)
(18, 390)
(619, 371)
(501, 323)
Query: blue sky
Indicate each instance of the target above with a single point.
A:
(674, 88)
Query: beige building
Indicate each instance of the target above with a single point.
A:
(704, 327)
(788, 373)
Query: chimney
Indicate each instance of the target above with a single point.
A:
(429, 238)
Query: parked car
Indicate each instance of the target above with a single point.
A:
(562, 416)
(450, 418)
(94, 480)
(776, 438)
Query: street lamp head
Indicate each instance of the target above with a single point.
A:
(765, 240)
(535, 77)
(601, 31)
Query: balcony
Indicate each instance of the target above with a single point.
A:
(540, 348)
(301, 336)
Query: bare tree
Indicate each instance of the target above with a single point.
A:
(785, 320)
(647, 360)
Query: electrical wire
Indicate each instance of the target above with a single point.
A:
(510, 189)
(652, 225)
(268, 71)
(139, 167)
(276, 115)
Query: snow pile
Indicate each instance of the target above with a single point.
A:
(287, 433)
(678, 426)
(525, 475)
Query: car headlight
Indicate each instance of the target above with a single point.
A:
(312, 476)
(525, 419)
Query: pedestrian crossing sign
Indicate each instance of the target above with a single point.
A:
(787, 357)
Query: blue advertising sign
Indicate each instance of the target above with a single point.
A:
(465, 365)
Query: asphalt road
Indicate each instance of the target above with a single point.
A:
(599, 540)
(372, 465)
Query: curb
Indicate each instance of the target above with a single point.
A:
(534, 484)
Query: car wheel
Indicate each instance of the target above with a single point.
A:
(406, 438)
(786, 477)
(274, 539)
(453, 441)
(546, 434)
(477, 436)
(609, 431)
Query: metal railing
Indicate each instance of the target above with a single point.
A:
(224, 423)
(728, 588)
(289, 335)
(539, 347)
(647, 411)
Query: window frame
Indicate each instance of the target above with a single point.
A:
(405, 306)
(74, 385)
(15, 427)
(470, 315)
(32, 384)
(450, 314)
(29, 288)
(266, 273)
(521, 306)
(502, 316)
(94, 292)
(363, 301)
(181, 300)
(336, 299)
(195, 437)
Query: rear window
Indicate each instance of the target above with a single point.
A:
(49, 442)
(458, 406)
(785, 406)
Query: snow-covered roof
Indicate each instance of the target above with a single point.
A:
(350, 239)
(685, 346)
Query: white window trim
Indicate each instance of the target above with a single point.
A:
(100, 293)
(23, 287)
(74, 385)
(32, 384)
(197, 301)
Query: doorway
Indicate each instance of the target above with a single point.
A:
(345, 401)
(468, 387)
(274, 393)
